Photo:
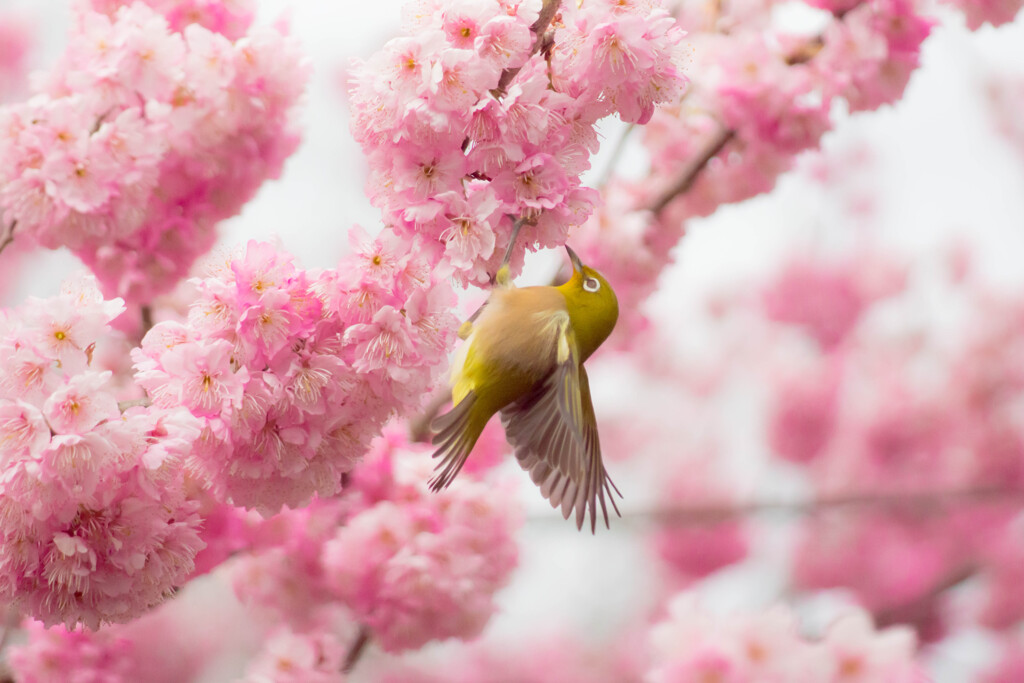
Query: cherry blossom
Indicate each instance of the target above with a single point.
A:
(142, 138)
(96, 525)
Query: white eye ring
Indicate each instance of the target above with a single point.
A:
(591, 284)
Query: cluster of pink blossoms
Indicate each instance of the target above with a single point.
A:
(422, 566)
(58, 653)
(457, 154)
(142, 139)
(94, 523)
(410, 565)
(290, 657)
(230, 18)
(694, 645)
(758, 97)
(915, 414)
(165, 645)
(292, 374)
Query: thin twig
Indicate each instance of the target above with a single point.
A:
(11, 620)
(146, 313)
(7, 236)
(516, 227)
(357, 649)
(919, 607)
(804, 54)
(419, 427)
(931, 502)
(686, 180)
(539, 29)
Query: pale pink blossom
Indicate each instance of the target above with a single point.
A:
(141, 138)
(81, 404)
(290, 657)
(693, 645)
(96, 527)
(416, 566)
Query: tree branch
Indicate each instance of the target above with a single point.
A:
(357, 649)
(685, 182)
(802, 55)
(419, 427)
(927, 502)
(539, 29)
(7, 236)
(918, 609)
(146, 313)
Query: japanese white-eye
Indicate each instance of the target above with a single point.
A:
(523, 356)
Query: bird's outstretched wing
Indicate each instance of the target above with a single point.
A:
(455, 438)
(554, 433)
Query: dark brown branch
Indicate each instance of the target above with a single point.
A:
(147, 319)
(924, 502)
(715, 145)
(9, 625)
(918, 609)
(802, 55)
(357, 649)
(933, 502)
(7, 236)
(419, 427)
(539, 29)
(806, 52)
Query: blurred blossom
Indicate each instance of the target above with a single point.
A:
(693, 645)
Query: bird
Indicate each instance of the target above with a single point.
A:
(522, 357)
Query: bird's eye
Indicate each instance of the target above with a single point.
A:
(591, 284)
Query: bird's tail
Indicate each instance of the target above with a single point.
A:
(457, 432)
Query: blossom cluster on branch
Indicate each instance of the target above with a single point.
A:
(270, 390)
(758, 96)
(909, 413)
(409, 565)
(693, 645)
(142, 138)
(472, 121)
(290, 373)
(95, 525)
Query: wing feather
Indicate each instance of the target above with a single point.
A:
(454, 440)
(553, 430)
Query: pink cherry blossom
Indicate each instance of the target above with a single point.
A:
(135, 105)
(289, 657)
(97, 528)
(291, 373)
(692, 643)
(56, 653)
(228, 17)
(439, 133)
(416, 566)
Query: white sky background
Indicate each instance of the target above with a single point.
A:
(944, 172)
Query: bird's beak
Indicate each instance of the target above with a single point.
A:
(577, 265)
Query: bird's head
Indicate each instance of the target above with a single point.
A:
(593, 308)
